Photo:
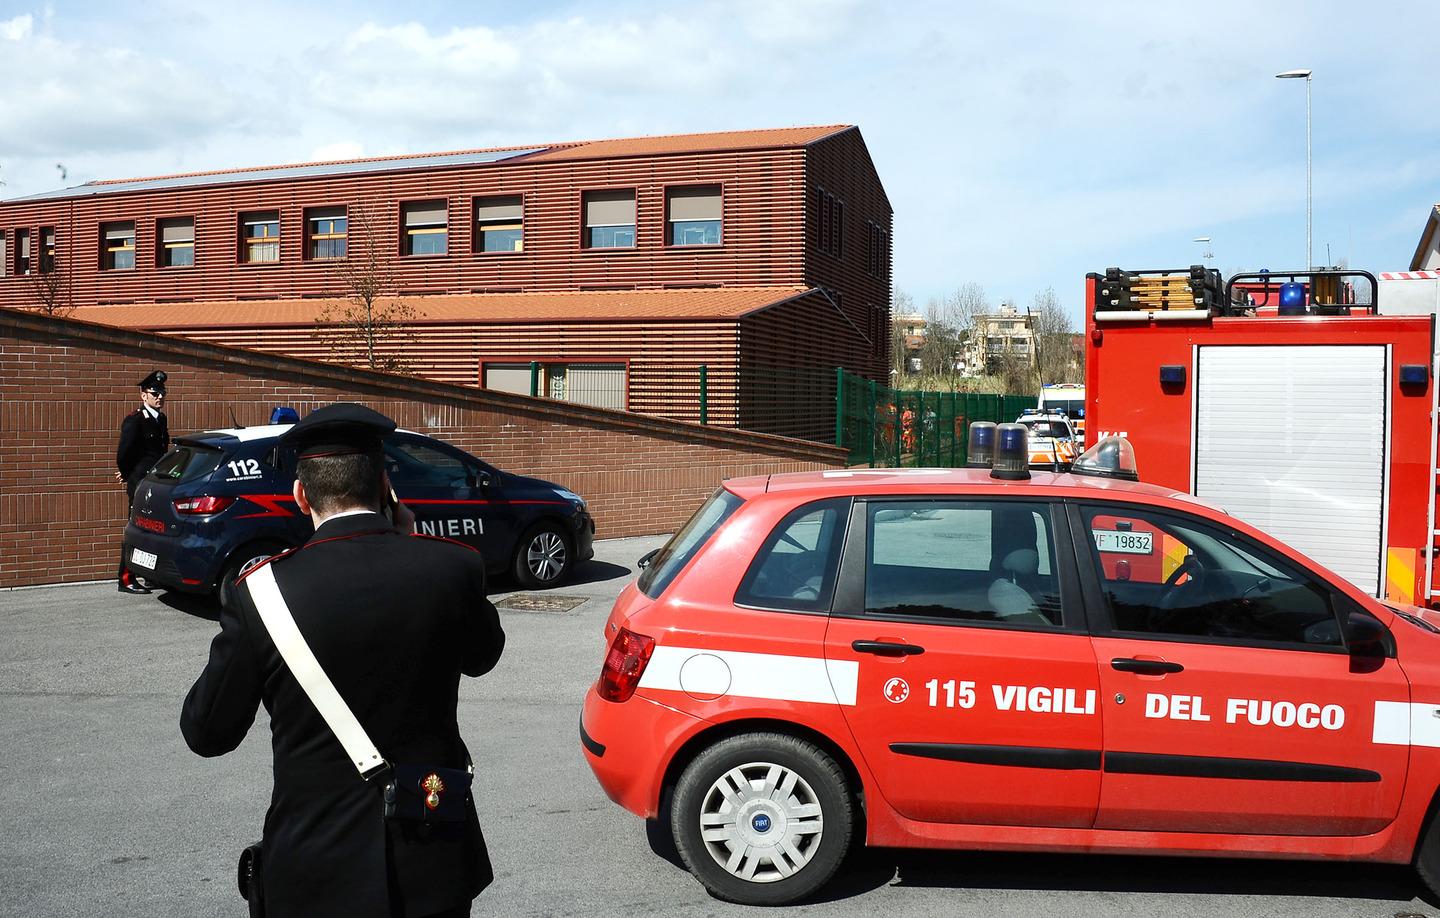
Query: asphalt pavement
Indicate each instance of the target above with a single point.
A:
(107, 813)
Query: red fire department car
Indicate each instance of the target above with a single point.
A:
(944, 659)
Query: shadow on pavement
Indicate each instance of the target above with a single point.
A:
(585, 572)
(1118, 873)
(597, 572)
(206, 607)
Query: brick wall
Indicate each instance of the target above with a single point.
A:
(66, 385)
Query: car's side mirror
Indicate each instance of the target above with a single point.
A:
(479, 479)
(1366, 637)
(646, 558)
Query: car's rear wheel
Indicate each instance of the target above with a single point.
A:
(241, 561)
(1427, 855)
(763, 818)
(543, 556)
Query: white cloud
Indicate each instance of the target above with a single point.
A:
(1021, 144)
(343, 149)
(69, 97)
(17, 29)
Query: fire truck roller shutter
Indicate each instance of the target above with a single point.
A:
(1272, 424)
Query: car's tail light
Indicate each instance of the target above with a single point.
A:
(624, 664)
(200, 506)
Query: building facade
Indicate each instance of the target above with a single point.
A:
(605, 272)
(997, 337)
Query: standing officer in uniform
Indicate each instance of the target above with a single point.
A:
(393, 619)
(144, 438)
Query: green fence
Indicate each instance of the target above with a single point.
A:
(881, 426)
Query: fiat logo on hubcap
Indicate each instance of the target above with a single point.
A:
(761, 823)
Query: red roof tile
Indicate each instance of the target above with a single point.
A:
(482, 308)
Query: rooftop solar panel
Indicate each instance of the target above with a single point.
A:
(282, 172)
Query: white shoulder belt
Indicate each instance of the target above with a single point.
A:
(301, 659)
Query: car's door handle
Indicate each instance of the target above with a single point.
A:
(886, 648)
(1145, 667)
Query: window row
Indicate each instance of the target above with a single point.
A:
(16, 259)
(608, 217)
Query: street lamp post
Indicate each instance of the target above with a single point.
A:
(1207, 254)
(1296, 75)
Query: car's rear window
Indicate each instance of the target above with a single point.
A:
(685, 543)
(187, 462)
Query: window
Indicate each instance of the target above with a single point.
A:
(426, 225)
(188, 462)
(415, 462)
(47, 249)
(22, 251)
(877, 250)
(829, 221)
(177, 242)
(962, 560)
(1170, 575)
(610, 219)
(260, 237)
(117, 246)
(601, 385)
(685, 544)
(326, 228)
(795, 568)
(4, 256)
(694, 214)
(1047, 428)
(500, 224)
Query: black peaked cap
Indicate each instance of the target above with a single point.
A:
(155, 380)
(341, 429)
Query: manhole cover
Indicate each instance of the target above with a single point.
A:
(555, 603)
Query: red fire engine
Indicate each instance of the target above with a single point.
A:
(1303, 403)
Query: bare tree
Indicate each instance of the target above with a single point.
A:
(50, 286)
(903, 305)
(942, 344)
(367, 326)
(1050, 324)
(963, 307)
(1016, 374)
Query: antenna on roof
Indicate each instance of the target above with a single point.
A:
(233, 422)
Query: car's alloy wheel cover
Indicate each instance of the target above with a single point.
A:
(546, 556)
(761, 822)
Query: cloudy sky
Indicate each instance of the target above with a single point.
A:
(1022, 143)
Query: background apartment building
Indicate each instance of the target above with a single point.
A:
(605, 272)
(1006, 334)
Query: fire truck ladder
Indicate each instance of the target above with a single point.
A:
(1196, 292)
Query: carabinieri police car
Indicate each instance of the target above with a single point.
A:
(221, 499)
(995, 659)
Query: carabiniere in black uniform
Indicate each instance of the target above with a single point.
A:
(144, 439)
(394, 620)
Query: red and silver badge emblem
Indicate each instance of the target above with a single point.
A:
(897, 690)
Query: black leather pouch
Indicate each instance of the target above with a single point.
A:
(425, 793)
(248, 876)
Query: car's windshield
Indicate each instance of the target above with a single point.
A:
(685, 543)
(1073, 407)
(187, 462)
(1048, 429)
